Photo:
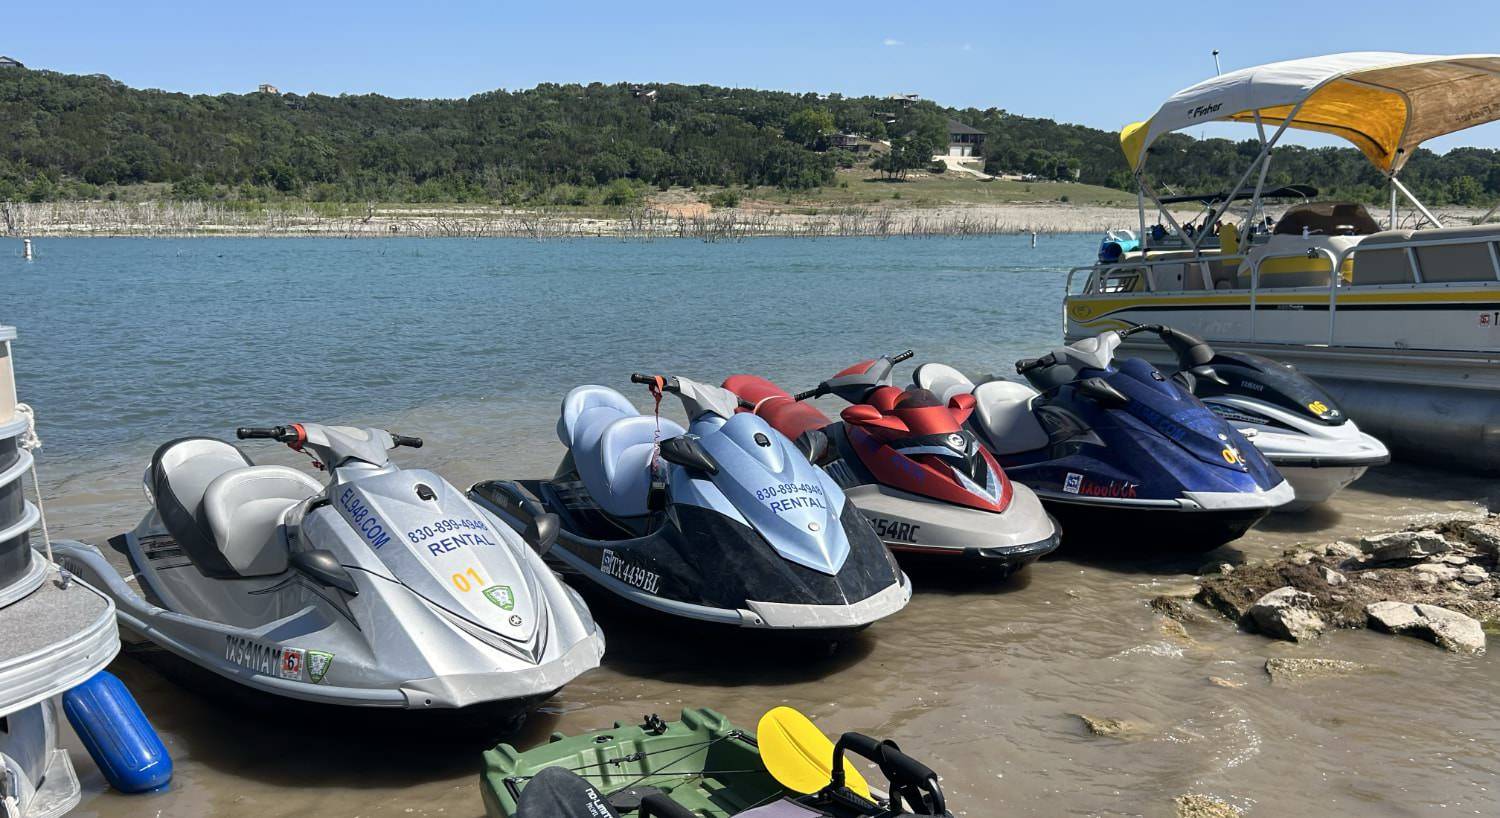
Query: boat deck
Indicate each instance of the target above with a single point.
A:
(51, 640)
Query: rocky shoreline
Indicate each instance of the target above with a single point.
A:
(1437, 582)
(191, 219)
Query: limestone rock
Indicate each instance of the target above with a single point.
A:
(1195, 805)
(1287, 613)
(1404, 545)
(1449, 630)
(1456, 560)
(1473, 575)
(1111, 727)
(1332, 577)
(1174, 607)
(1220, 681)
(1302, 558)
(1485, 537)
(1441, 571)
(1342, 550)
(1292, 669)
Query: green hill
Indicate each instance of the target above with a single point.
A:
(75, 137)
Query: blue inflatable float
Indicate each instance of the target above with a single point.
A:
(117, 734)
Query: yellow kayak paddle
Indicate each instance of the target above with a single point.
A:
(799, 756)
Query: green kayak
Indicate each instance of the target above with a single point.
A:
(703, 766)
(703, 762)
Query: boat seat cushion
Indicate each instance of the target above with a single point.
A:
(245, 509)
(180, 473)
(1376, 264)
(612, 446)
(1467, 261)
(942, 380)
(1003, 412)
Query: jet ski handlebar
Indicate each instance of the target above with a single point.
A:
(294, 433)
(824, 387)
(1028, 364)
(285, 434)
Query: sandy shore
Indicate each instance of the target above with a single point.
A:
(168, 219)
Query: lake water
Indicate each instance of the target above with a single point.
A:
(126, 343)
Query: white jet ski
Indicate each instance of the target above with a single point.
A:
(1298, 426)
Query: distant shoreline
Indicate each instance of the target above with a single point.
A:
(170, 219)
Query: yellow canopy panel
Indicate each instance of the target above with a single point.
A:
(1385, 103)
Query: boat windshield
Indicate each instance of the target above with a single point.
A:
(1327, 219)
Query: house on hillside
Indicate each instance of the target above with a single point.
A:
(643, 93)
(267, 88)
(964, 140)
(852, 142)
(904, 100)
(10, 62)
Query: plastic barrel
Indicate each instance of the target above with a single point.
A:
(117, 734)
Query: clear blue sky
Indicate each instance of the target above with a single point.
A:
(1091, 62)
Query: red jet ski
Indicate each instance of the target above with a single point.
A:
(909, 464)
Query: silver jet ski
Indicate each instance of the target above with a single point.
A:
(384, 588)
(735, 526)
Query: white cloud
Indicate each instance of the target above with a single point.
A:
(892, 41)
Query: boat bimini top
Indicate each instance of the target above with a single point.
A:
(1384, 103)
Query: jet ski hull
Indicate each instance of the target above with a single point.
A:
(914, 526)
(710, 569)
(1096, 527)
(1317, 479)
(302, 667)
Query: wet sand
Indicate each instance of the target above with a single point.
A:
(980, 678)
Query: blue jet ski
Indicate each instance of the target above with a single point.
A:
(1118, 450)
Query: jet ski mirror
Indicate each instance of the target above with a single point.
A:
(324, 568)
(688, 453)
(814, 444)
(863, 414)
(961, 406)
(541, 533)
(1101, 391)
(1207, 373)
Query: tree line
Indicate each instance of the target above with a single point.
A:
(78, 137)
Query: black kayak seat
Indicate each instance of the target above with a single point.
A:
(557, 792)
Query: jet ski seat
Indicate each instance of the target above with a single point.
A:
(1003, 412)
(207, 522)
(942, 380)
(611, 444)
(776, 406)
(246, 509)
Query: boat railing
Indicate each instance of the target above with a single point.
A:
(1410, 250)
(1145, 270)
(1334, 262)
(1141, 276)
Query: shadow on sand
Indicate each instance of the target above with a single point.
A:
(291, 744)
(1418, 482)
